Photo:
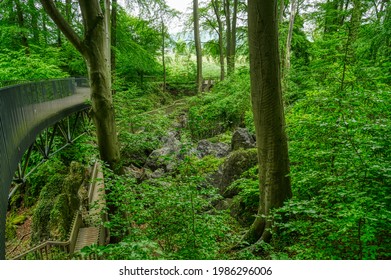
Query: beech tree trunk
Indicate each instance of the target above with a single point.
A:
(233, 36)
(216, 8)
(164, 55)
(231, 19)
(290, 33)
(197, 41)
(266, 97)
(227, 10)
(95, 48)
(114, 6)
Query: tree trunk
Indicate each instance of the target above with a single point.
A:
(45, 30)
(95, 48)
(197, 41)
(331, 10)
(114, 6)
(34, 21)
(233, 36)
(227, 10)
(290, 33)
(281, 11)
(350, 52)
(21, 23)
(355, 21)
(266, 97)
(59, 39)
(68, 10)
(163, 56)
(216, 9)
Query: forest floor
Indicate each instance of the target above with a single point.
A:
(23, 233)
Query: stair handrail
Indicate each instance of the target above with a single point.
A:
(68, 245)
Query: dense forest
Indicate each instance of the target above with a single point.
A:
(261, 130)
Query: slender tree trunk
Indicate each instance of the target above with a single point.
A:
(332, 19)
(216, 8)
(289, 38)
(197, 41)
(355, 20)
(45, 30)
(266, 97)
(68, 10)
(21, 23)
(164, 56)
(114, 6)
(343, 11)
(59, 39)
(350, 52)
(233, 36)
(227, 10)
(34, 21)
(281, 11)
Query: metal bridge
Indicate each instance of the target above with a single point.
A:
(25, 111)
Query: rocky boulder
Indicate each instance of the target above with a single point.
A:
(165, 157)
(242, 139)
(235, 164)
(206, 148)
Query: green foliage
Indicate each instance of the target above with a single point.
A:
(13, 220)
(15, 65)
(71, 61)
(338, 123)
(140, 133)
(182, 69)
(58, 201)
(49, 173)
(168, 215)
(206, 165)
(340, 172)
(137, 45)
(245, 204)
(222, 109)
(60, 218)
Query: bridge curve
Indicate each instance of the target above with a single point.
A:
(26, 110)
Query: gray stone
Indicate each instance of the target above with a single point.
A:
(158, 173)
(235, 164)
(165, 157)
(206, 148)
(242, 139)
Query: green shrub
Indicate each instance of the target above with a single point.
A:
(340, 158)
(221, 109)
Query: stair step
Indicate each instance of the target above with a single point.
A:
(86, 237)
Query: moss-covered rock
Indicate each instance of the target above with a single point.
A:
(233, 167)
(244, 205)
(71, 185)
(41, 218)
(57, 204)
(60, 218)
